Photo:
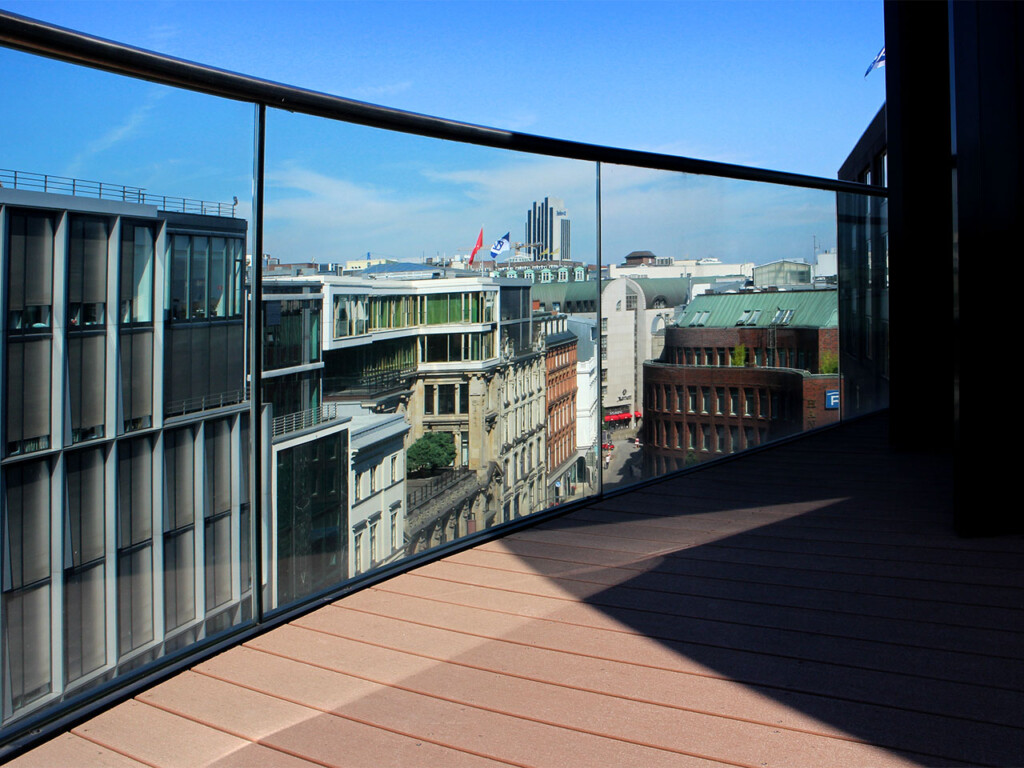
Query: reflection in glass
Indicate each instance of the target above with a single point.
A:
(723, 299)
(109, 384)
(469, 395)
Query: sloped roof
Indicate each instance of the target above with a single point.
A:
(811, 309)
(674, 290)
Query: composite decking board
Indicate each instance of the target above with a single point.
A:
(284, 725)
(769, 536)
(654, 591)
(565, 705)
(71, 750)
(963, 676)
(700, 693)
(805, 527)
(129, 729)
(844, 512)
(824, 689)
(310, 668)
(845, 600)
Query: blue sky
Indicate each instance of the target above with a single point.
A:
(776, 85)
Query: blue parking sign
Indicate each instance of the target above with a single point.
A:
(831, 399)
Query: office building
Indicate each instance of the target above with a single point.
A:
(548, 230)
(125, 438)
(739, 370)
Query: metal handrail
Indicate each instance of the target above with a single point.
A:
(436, 487)
(305, 419)
(40, 38)
(66, 185)
(206, 402)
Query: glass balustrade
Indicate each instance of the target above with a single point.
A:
(126, 524)
(452, 337)
(722, 313)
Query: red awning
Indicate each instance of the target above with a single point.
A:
(618, 416)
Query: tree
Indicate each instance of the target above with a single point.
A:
(739, 356)
(434, 449)
(829, 362)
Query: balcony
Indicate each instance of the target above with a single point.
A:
(212, 595)
(738, 615)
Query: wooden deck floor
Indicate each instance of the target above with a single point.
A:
(805, 606)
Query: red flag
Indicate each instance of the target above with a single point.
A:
(478, 246)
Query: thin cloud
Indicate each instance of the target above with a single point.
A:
(119, 134)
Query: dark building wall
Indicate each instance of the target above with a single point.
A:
(955, 85)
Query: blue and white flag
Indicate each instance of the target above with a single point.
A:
(500, 246)
(878, 62)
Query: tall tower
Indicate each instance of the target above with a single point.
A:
(547, 223)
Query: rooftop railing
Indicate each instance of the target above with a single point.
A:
(204, 531)
(65, 185)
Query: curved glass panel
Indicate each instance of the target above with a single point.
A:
(124, 412)
(420, 388)
(722, 305)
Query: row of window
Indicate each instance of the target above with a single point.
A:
(372, 479)
(705, 438)
(174, 567)
(357, 314)
(763, 357)
(731, 401)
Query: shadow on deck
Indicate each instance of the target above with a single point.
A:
(805, 605)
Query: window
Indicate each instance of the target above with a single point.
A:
(394, 469)
(734, 401)
(26, 585)
(748, 402)
(137, 257)
(84, 564)
(705, 399)
(135, 551)
(87, 271)
(179, 528)
(27, 395)
(749, 317)
(630, 302)
(720, 400)
(29, 270)
(691, 405)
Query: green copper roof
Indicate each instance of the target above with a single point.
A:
(814, 309)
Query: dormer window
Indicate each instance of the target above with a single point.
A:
(782, 317)
(749, 317)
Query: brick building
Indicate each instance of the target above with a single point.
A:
(561, 389)
(739, 370)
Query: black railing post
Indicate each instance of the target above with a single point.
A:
(256, 365)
